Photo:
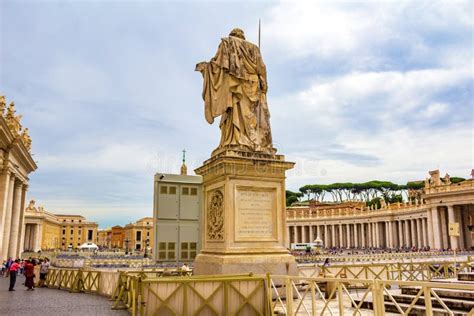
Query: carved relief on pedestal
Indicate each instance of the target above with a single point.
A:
(215, 215)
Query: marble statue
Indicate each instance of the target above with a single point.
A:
(13, 121)
(235, 87)
(31, 207)
(25, 137)
(3, 104)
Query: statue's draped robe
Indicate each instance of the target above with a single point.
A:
(235, 86)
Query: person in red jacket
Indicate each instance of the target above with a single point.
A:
(15, 266)
(30, 275)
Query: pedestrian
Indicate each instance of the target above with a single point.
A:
(13, 271)
(43, 272)
(7, 266)
(30, 275)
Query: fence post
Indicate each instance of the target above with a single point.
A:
(289, 297)
(269, 294)
(377, 297)
(428, 306)
(340, 298)
(313, 296)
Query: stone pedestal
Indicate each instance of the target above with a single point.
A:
(243, 220)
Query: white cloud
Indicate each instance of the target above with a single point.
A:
(435, 110)
(388, 97)
(362, 33)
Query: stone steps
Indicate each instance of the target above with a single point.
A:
(442, 293)
(458, 304)
(416, 310)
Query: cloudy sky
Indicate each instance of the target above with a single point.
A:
(357, 91)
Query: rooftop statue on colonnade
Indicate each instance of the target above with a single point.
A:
(235, 88)
(31, 207)
(13, 120)
(3, 104)
(25, 137)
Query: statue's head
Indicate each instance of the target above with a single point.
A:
(237, 33)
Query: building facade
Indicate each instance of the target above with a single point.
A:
(104, 238)
(117, 238)
(47, 231)
(140, 235)
(17, 163)
(176, 214)
(420, 223)
(76, 230)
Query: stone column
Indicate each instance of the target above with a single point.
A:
(333, 236)
(419, 232)
(32, 236)
(444, 229)
(465, 220)
(341, 243)
(429, 228)
(369, 235)
(356, 236)
(38, 237)
(15, 224)
(21, 234)
(388, 231)
(407, 233)
(424, 228)
(326, 236)
(457, 217)
(451, 219)
(4, 212)
(295, 235)
(436, 228)
(348, 236)
(393, 231)
(377, 235)
(311, 236)
(8, 218)
(318, 231)
(413, 233)
(27, 229)
(400, 234)
(363, 236)
(288, 233)
(29, 237)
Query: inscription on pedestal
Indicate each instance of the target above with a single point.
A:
(255, 214)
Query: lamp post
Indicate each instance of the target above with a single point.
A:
(127, 240)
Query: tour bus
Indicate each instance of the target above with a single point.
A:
(302, 246)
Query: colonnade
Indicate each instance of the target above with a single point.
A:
(428, 228)
(377, 234)
(33, 233)
(12, 207)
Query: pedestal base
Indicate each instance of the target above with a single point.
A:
(209, 264)
(244, 223)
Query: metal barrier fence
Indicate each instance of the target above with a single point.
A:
(413, 271)
(378, 256)
(153, 292)
(322, 296)
(88, 262)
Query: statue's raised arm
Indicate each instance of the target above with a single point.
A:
(235, 87)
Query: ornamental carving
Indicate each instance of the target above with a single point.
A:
(215, 216)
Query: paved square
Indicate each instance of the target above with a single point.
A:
(44, 301)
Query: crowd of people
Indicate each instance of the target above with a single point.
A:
(360, 251)
(29, 268)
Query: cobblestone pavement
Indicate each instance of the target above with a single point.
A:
(44, 301)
